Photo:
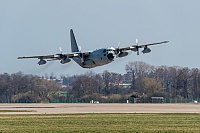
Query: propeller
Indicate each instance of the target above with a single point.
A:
(117, 49)
(137, 47)
(79, 48)
(81, 54)
(61, 55)
(119, 44)
(82, 60)
(60, 50)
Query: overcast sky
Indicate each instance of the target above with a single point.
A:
(40, 27)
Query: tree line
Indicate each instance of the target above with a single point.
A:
(142, 80)
(171, 82)
(19, 87)
(145, 81)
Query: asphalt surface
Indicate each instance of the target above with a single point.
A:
(73, 108)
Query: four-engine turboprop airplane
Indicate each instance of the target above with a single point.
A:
(94, 58)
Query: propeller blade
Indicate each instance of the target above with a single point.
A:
(138, 52)
(136, 41)
(60, 50)
(81, 56)
(79, 47)
(118, 48)
(119, 44)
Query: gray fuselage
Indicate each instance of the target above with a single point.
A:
(96, 58)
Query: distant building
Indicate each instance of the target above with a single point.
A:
(127, 78)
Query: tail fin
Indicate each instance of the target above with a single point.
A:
(74, 46)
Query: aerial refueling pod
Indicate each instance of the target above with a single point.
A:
(66, 60)
(42, 62)
(146, 50)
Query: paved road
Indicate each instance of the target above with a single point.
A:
(68, 108)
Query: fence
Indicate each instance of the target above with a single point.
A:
(131, 100)
(19, 101)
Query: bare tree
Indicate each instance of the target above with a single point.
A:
(139, 70)
(45, 89)
(84, 86)
(151, 87)
(107, 80)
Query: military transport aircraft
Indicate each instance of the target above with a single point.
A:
(94, 58)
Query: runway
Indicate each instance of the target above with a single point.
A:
(73, 108)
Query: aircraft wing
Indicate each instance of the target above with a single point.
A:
(54, 57)
(136, 47)
(144, 45)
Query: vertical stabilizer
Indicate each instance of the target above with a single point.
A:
(74, 46)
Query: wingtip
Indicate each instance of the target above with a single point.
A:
(20, 57)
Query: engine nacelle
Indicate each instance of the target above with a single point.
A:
(135, 49)
(63, 61)
(123, 54)
(42, 62)
(146, 50)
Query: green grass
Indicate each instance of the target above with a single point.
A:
(100, 123)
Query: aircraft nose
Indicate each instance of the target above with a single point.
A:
(110, 56)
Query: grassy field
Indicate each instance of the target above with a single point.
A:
(100, 123)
